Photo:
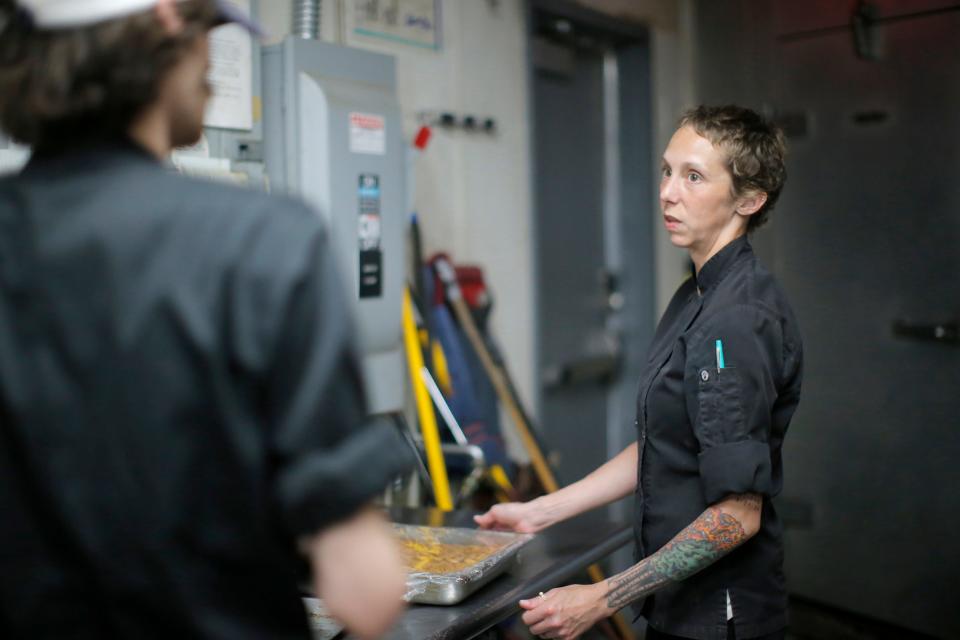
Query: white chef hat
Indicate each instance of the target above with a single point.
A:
(67, 14)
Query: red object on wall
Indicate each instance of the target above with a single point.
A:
(422, 138)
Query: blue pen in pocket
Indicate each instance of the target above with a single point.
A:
(719, 355)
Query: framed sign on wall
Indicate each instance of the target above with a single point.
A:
(414, 23)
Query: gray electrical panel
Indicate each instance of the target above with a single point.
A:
(332, 135)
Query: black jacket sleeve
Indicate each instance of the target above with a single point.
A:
(731, 407)
(327, 458)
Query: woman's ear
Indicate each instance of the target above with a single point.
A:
(169, 16)
(751, 202)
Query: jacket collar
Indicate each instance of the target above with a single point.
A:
(716, 267)
(89, 150)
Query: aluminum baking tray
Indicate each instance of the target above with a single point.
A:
(322, 625)
(446, 564)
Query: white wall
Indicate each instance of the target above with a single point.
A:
(474, 191)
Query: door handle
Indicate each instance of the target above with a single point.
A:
(943, 332)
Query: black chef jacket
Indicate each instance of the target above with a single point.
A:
(179, 401)
(705, 432)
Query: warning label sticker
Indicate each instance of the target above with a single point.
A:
(368, 133)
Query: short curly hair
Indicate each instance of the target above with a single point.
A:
(59, 84)
(755, 150)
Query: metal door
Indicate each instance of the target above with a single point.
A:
(868, 246)
(593, 237)
(570, 258)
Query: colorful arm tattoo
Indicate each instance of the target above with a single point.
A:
(701, 543)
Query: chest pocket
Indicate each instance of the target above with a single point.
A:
(720, 408)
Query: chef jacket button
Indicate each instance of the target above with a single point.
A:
(704, 375)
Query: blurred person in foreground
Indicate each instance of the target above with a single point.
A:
(181, 415)
(719, 388)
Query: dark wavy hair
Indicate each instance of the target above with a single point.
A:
(65, 83)
(755, 150)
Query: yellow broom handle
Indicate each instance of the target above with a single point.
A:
(428, 421)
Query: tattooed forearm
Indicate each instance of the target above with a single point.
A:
(701, 543)
(636, 582)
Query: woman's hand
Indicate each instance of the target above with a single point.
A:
(566, 612)
(522, 517)
(358, 573)
(616, 479)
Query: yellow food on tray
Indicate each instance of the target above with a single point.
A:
(429, 555)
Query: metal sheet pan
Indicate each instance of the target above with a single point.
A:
(322, 625)
(486, 555)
